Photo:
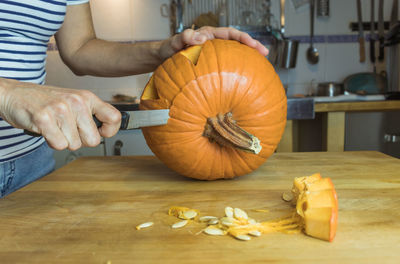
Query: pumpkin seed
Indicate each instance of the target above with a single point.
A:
(214, 231)
(213, 222)
(255, 233)
(252, 221)
(228, 221)
(287, 196)
(240, 214)
(144, 225)
(229, 211)
(207, 218)
(243, 237)
(190, 214)
(180, 224)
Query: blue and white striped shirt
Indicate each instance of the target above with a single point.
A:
(25, 29)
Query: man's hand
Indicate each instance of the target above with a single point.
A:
(195, 37)
(62, 116)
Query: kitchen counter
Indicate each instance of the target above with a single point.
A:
(86, 212)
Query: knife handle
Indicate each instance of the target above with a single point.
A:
(381, 56)
(124, 124)
(124, 121)
(372, 49)
(361, 41)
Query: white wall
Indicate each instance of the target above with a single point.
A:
(138, 20)
(117, 20)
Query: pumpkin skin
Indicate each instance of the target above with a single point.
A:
(219, 76)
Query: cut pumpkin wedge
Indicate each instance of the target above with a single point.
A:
(317, 204)
(317, 199)
(321, 222)
(300, 183)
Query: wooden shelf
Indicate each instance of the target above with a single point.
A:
(357, 106)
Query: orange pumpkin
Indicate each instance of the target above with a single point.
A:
(227, 110)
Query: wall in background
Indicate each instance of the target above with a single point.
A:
(135, 20)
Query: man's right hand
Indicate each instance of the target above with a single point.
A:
(62, 116)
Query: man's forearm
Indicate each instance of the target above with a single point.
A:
(112, 59)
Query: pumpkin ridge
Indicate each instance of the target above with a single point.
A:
(202, 90)
(180, 142)
(238, 81)
(259, 96)
(248, 165)
(199, 159)
(166, 82)
(219, 73)
(172, 79)
(201, 117)
(238, 154)
(260, 115)
(198, 118)
(196, 81)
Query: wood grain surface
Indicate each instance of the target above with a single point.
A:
(86, 212)
(367, 106)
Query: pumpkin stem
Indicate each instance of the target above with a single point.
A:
(224, 130)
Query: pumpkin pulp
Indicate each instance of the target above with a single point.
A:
(225, 131)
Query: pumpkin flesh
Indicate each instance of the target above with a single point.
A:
(317, 204)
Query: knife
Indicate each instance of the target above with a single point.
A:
(381, 31)
(361, 40)
(372, 35)
(133, 119)
(140, 118)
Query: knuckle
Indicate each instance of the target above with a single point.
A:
(86, 93)
(57, 144)
(93, 141)
(75, 145)
(75, 99)
(42, 117)
(115, 116)
(61, 108)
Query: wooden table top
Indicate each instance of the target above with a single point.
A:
(86, 212)
(357, 106)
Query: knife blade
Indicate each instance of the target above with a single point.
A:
(381, 31)
(361, 39)
(132, 120)
(140, 118)
(372, 35)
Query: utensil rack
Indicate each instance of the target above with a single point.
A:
(249, 15)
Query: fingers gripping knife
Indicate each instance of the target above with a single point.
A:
(134, 119)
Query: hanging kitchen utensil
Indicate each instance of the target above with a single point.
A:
(361, 40)
(312, 52)
(372, 35)
(323, 8)
(284, 50)
(381, 32)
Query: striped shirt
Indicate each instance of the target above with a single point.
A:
(25, 29)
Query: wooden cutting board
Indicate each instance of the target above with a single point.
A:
(87, 211)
